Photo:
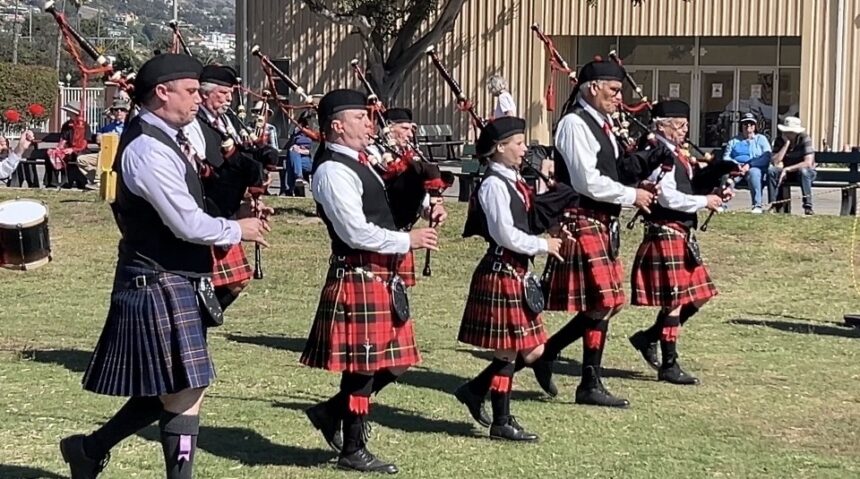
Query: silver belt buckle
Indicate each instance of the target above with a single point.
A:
(140, 281)
(499, 251)
(497, 266)
(339, 273)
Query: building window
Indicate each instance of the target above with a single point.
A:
(737, 51)
(590, 46)
(789, 93)
(789, 51)
(657, 50)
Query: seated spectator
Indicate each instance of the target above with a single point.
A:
(751, 151)
(77, 134)
(118, 113)
(300, 163)
(793, 157)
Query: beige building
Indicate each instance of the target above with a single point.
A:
(725, 57)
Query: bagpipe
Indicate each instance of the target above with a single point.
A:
(548, 206)
(270, 70)
(556, 64)
(409, 176)
(74, 42)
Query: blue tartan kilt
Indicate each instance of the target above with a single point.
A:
(153, 342)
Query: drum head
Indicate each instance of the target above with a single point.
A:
(21, 212)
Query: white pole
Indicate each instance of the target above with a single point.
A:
(838, 90)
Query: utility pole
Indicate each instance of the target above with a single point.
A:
(60, 40)
(15, 36)
(176, 11)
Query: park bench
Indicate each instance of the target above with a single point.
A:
(431, 137)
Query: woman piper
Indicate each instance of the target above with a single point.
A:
(503, 309)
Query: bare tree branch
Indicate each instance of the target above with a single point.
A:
(331, 15)
(407, 32)
(444, 23)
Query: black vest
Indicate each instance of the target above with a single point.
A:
(607, 164)
(476, 219)
(683, 185)
(225, 188)
(146, 241)
(374, 201)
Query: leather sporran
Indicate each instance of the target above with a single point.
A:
(211, 312)
(614, 238)
(399, 300)
(533, 293)
(694, 255)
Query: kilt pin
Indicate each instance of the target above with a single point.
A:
(587, 279)
(496, 315)
(154, 341)
(355, 328)
(662, 274)
(230, 265)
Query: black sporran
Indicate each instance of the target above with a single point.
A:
(210, 308)
(399, 300)
(533, 293)
(614, 238)
(694, 256)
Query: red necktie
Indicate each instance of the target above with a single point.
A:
(524, 190)
(363, 158)
(607, 129)
(685, 160)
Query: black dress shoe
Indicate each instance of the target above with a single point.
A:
(364, 461)
(511, 431)
(543, 374)
(327, 424)
(646, 348)
(475, 404)
(592, 392)
(852, 320)
(81, 466)
(675, 375)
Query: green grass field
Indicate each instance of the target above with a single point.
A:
(780, 393)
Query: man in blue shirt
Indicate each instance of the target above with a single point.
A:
(118, 113)
(752, 152)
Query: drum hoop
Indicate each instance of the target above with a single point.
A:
(36, 222)
(27, 266)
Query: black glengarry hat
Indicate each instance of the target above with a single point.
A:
(496, 131)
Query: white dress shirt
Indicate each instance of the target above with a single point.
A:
(156, 173)
(495, 199)
(669, 196)
(194, 132)
(338, 189)
(7, 166)
(579, 148)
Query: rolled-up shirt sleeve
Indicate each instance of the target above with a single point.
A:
(673, 199)
(577, 145)
(495, 201)
(8, 165)
(160, 180)
(339, 192)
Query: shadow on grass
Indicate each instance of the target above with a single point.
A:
(307, 212)
(296, 345)
(802, 328)
(72, 359)
(397, 418)
(436, 380)
(249, 447)
(570, 367)
(26, 472)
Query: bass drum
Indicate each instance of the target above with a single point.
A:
(24, 240)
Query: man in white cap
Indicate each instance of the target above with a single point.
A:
(793, 154)
(77, 134)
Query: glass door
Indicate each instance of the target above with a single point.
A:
(717, 112)
(756, 96)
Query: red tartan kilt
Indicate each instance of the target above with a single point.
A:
(406, 269)
(354, 328)
(230, 266)
(587, 280)
(661, 275)
(496, 316)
